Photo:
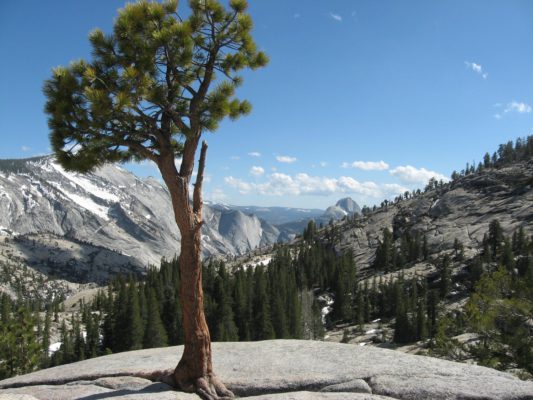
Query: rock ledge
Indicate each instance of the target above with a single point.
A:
(279, 369)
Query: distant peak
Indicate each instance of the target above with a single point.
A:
(349, 205)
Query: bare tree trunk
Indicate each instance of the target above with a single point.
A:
(194, 372)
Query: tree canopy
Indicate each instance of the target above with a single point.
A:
(149, 88)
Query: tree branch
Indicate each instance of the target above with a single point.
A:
(197, 195)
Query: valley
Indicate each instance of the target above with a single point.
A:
(416, 258)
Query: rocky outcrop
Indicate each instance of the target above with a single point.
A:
(461, 210)
(281, 369)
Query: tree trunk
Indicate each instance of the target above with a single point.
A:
(194, 372)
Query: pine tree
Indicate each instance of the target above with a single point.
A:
(225, 329)
(242, 304)
(92, 326)
(294, 308)
(495, 238)
(262, 324)
(20, 349)
(134, 339)
(45, 342)
(154, 333)
(445, 277)
(78, 340)
(154, 86)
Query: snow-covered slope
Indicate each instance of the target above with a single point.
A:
(110, 209)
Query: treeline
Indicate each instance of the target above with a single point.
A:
(519, 150)
(259, 302)
(256, 303)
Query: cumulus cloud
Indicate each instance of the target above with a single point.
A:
(257, 171)
(410, 174)
(240, 185)
(286, 159)
(217, 195)
(367, 165)
(519, 107)
(336, 17)
(477, 68)
(25, 148)
(511, 107)
(280, 184)
(323, 164)
(254, 154)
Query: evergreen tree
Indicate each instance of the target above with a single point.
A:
(149, 93)
(495, 238)
(262, 324)
(20, 350)
(134, 322)
(45, 342)
(154, 333)
(225, 329)
(445, 277)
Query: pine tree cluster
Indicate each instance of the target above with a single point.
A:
(498, 312)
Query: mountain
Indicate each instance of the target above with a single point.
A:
(106, 221)
(344, 207)
(280, 215)
(461, 209)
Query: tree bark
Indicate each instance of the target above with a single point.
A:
(194, 372)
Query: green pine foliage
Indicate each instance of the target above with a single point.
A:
(20, 349)
(498, 313)
(154, 333)
(157, 80)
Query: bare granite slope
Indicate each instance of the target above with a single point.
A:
(461, 210)
(103, 222)
(280, 369)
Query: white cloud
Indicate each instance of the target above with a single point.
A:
(367, 165)
(235, 158)
(336, 17)
(254, 154)
(518, 107)
(280, 184)
(25, 148)
(410, 174)
(286, 159)
(217, 195)
(323, 164)
(240, 185)
(477, 68)
(511, 107)
(257, 171)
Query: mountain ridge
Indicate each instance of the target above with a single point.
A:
(111, 221)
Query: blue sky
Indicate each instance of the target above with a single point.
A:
(360, 99)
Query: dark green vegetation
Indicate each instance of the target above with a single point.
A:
(500, 308)
(284, 298)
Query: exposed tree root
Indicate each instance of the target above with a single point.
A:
(208, 388)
